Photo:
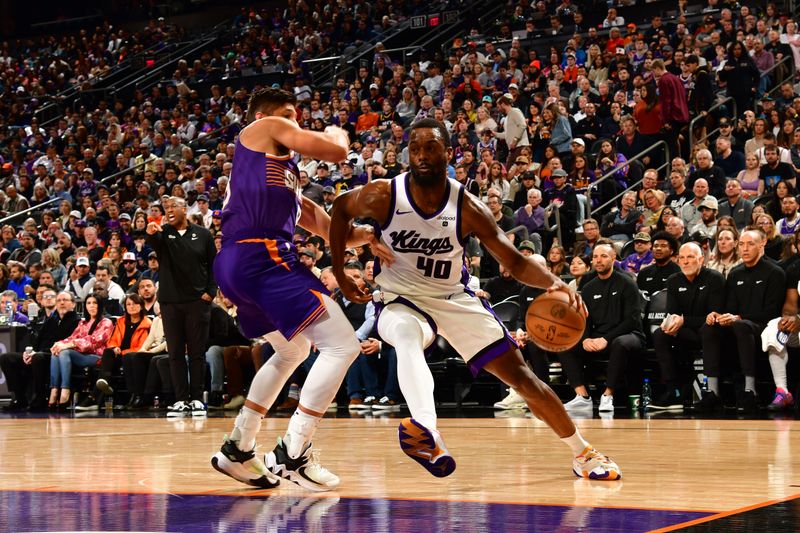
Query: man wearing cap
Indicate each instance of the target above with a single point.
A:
(707, 227)
(79, 278)
(152, 268)
(309, 259)
(27, 254)
(642, 255)
(130, 275)
(328, 196)
(515, 132)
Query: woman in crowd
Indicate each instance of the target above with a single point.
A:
(556, 260)
(775, 204)
(82, 348)
(725, 255)
(580, 265)
(128, 336)
(609, 160)
(560, 130)
(51, 261)
(136, 364)
(752, 184)
(774, 246)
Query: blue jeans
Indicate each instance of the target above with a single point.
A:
(217, 365)
(61, 366)
(391, 388)
(362, 377)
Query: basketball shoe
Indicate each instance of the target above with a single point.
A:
(424, 447)
(243, 466)
(305, 470)
(512, 401)
(591, 464)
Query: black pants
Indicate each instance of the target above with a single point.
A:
(136, 365)
(186, 330)
(747, 336)
(666, 346)
(538, 360)
(158, 380)
(19, 375)
(618, 351)
(109, 364)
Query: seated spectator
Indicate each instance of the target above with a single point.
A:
(562, 197)
(531, 215)
(578, 267)
(789, 223)
(775, 171)
(707, 227)
(653, 278)
(557, 260)
(736, 205)
(621, 224)
(22, 369)
(642, 255)
(52, 264)
(726, 253)
(730, 161)
(79, 279)
(82, 348)
(692, 295)
(129, 278)
(128, 336)
(690, 214)
(754, 296)
(104, 276)
(27, 254)
(223, 332)
(654, 204)
(707, 170)
(613, 329)
(501, 287)
(18, 279)
(774, 207)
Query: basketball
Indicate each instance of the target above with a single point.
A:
(552, 324)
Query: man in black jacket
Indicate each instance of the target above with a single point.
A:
(692, 294)
(653, 278)
(614, 327)
(22, 368)
(186, 256)
(754, 295)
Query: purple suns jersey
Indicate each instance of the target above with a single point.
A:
(263, 196)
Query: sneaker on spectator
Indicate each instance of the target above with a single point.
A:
(579, 403)
(88, 403)
(235, 403)
(783, 400)
(197, 408)
(357, 404)
(103, 386)
(385, 404)
(333, 407)
(179, 409)
(606, 404)
(669, 401)
(512, 401)
(746, 402)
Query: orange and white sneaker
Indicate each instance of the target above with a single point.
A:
(591, 464)
(425, 447)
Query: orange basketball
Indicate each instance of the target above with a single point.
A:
(552, 324)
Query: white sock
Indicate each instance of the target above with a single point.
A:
(750, 383)
(713, 385)
(576, 443)
(302, 427)
(272, 376)
(778, 364)
(400, 327)
(247, 426)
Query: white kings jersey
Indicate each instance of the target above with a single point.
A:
(429, 255)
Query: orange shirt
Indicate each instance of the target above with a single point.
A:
(366, 121)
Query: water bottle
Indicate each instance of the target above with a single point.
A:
(647, 394)
(205, 399)
(155, 402)
(705, 385)
(29, 351)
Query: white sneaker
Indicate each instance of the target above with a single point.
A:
(198, 409)
(606, 404)
(246, 467)
(579, 403)
(591, 464)
(512, 401)
(305, 470)
(179, 409)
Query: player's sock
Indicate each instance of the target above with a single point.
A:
(576, 443)
(778, 364)
(713, 385)
(271, 377)
(413, 373)
(302, 427)
(338, 347)
(247, 425)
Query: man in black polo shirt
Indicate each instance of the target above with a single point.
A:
(653, 278)
(692, 294)
(754, 295)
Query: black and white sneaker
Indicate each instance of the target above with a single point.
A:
(386, 405)
(179, 409)
(88, 403)
(197, 408)
(103, 386)
(305, 470)
(243, 466)
(669, 401)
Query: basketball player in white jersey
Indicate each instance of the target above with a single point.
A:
(424, 219)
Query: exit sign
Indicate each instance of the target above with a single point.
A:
(433, 20)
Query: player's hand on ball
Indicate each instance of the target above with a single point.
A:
(352, 291)
(153, 228)
(575, 299)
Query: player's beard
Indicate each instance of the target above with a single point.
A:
(427, 178)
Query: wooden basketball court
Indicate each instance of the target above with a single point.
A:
(106, 473)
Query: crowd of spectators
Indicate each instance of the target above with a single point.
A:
(549, 141)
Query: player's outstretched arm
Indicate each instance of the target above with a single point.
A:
(371, 201)
(479, 221)
(261, 135)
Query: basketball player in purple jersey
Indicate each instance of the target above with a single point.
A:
(276, 295)
(425, 218)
